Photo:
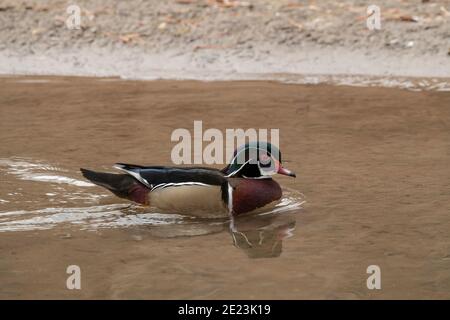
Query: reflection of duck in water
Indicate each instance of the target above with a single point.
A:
(259, 236)
(242, 186)
(262, 236)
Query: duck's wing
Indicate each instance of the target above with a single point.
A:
(160, 176)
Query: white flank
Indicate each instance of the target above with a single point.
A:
(230, 199)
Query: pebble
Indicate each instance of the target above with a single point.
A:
(137, 237)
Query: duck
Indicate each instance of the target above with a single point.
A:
(245, 185)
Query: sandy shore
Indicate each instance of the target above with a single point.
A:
(213, 39)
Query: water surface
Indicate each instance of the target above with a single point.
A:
(372, 187)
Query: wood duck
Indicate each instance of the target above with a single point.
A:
(243, 186)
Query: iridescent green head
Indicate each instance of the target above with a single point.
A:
(256, 159)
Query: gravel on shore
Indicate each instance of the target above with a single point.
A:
(219, 39)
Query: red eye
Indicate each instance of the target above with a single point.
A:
(264, 159)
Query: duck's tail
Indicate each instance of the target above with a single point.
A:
(122, 185)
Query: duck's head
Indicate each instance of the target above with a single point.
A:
(256, 160)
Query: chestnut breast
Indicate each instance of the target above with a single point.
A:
(251, 194)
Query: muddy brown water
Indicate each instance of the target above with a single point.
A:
(372, 165)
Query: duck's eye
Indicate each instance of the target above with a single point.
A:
(265, 160)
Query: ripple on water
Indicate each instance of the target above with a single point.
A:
(69, 202)
(111, 216)
(94, 217)
(37, 171)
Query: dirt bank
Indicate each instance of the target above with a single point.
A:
(213, 39)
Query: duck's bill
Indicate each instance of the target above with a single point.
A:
(286, 172)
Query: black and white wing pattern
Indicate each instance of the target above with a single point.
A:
(155, 177)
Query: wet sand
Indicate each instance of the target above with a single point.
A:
(371, 163)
